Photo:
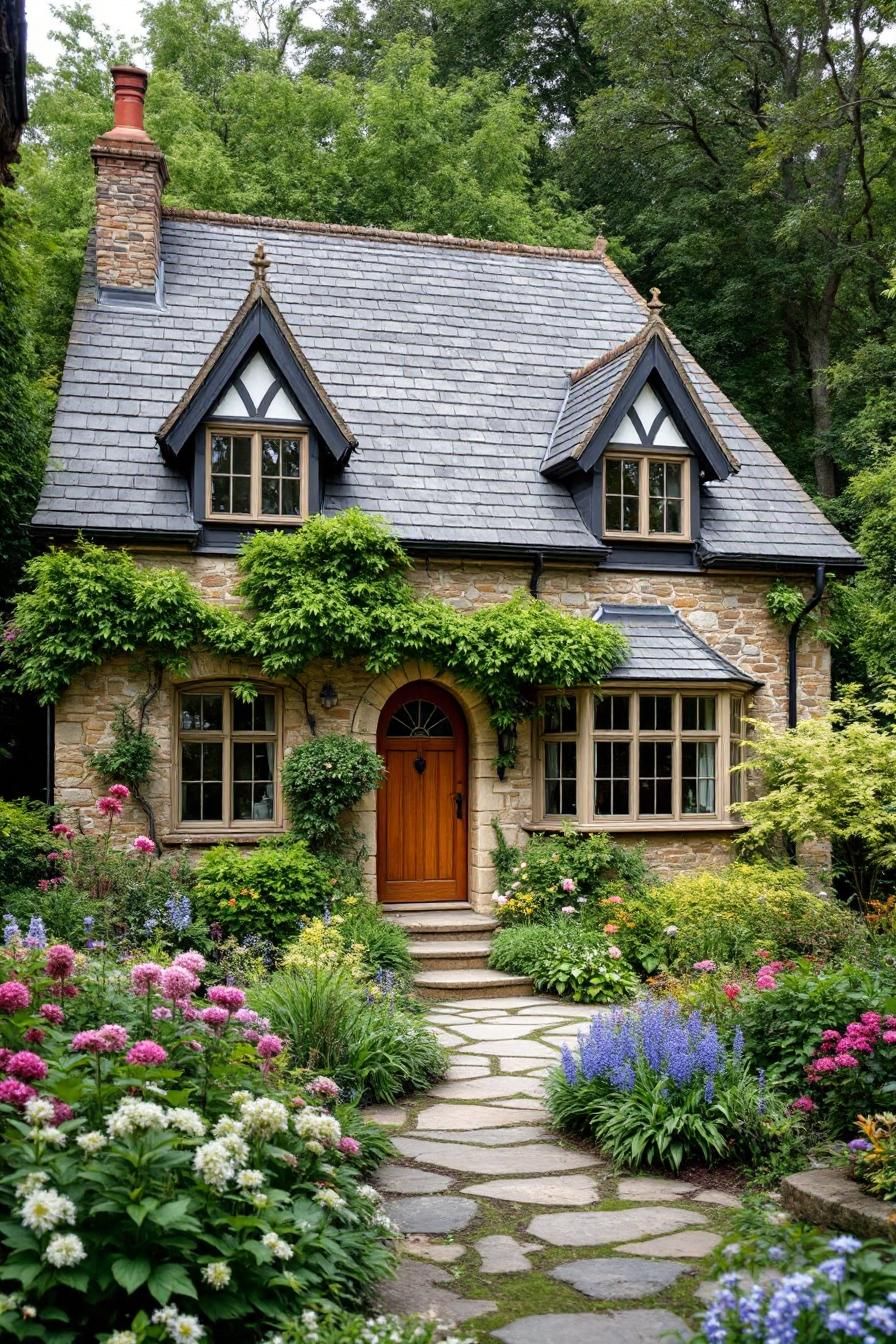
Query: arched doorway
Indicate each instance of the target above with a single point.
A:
(422, 806)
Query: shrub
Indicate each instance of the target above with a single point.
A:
(566, 958)
(339, 1327)
(323, 779)
(25, 841)
(876, 1154)
(515, 950)
(386, 945)
(267, 890)
(567, 869)
(134, 1178)
(730, 915)
(854, 1070)
(375, 1051)
(656, 1088)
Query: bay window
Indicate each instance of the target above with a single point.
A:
(653, 756)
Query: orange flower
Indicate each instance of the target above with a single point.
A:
(611, 928)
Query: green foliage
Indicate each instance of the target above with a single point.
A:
(730, 915)
(599, 868)
(264, 891)
(831, 778)
(341, 1327)
(375, 1051)
(785, 602)
(386, 945)
(876, 1167)
(130, 758)
(322, 779)
(782, 1026)
(565, 957)
(516, 949)
(25, 841)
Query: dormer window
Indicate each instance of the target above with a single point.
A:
(254, 474)
(646, 497)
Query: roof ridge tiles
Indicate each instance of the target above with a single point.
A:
(394, 236)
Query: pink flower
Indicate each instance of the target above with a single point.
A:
(567, 909)
(61, 1112)
(60, 963)
(227, 996)
(34, 1036)
(5, 1057)
(119, 791)
(14, 996)
(27, 1066)
(196, 1046)
(251, 1035)
(162, 1014)
(611, 928)
(269, 1046)
(805, 1104)
(822, 1066)
(53, 855)
(567, 884)
(830, 1035)
(14, 1093)
(351, 1147)
(859, 1046)
(246, 1017)
(62, 829)
(105, 1041)
(188, 1012)
(144, 845)
(613, 900)
(147, 1053)
(323, 1087)
(178, 983)
(765, 980)
(145, 976)
(192, 961)
(704, 966)
(614, 953)
(109, 807)
(889, 1038)
(215, 1016)
(871, 1019)
(846, 1061)
(731, 991)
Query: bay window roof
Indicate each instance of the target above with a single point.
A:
(663, 648)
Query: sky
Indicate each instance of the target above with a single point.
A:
(122, 16)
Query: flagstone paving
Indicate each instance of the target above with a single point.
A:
(555, 1248)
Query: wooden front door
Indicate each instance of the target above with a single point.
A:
(422, 806)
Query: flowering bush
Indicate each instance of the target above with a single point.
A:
(267, 890)
(657, 1088)
(832, 1291)
(557, 870)
(338, 1327)
(323, 779)
(875, 1154)
(854, 1070)
(565, 957)
(161, 1175)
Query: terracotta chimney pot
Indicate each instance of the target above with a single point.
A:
(129, 90)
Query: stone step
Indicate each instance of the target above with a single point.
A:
(444, 925)
(443, 955)
(464, 984)
(415, 907)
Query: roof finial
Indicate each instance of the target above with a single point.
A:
(600, 245)
(655, 304)
(260, 264)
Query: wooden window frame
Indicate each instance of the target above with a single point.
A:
(228, 825)
(586, 735)
(258, 432)
(645, 460)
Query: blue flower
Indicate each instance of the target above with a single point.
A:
(37, 934)
(845, 1245)
(10, 929)
(88, 923)
(179, 911)
(570, 1068)
(834, 1270)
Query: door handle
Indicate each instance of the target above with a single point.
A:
(459, 806)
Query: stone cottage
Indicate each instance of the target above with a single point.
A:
(523, 419)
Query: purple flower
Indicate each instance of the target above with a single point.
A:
(859, 1146)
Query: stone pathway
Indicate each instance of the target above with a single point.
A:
(518, 1233)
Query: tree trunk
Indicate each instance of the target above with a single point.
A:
(819, 350)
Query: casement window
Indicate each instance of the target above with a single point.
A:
(646, 497)
(651, 757)
(228, 759)
(256, 474)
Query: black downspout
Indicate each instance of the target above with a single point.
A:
(793, 637)
(537, 571)
(51, 755)
(792, 688)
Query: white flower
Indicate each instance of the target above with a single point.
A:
(383, 1221)
(238, 1098)
(263, 1117)
(164, 1316)
(122, 1337)
(64, 1249)
(35, 1180)
(217, 1274)
(54, 1137)
(215, 1164)
(314, 1147)
(8, 1302)
(329, 1199)
(317, 1126)
(186, 1121)
(670, 930)
(92, 1142)
(250, 1179)
(260, 1201)
(44, 1209)
(227, 1125)
(280, 1249)
(156, 1089)
(186, 1329)
(38, 1111)
(134, 1115)
(368, 1192)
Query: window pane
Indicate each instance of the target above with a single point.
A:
(191, 802)
(560, 714)
(657, 480)
(655, 713)
(737, 748)
(655, 778)
(254, 715)
(240, 496)
(613, 476)
(212, 760)
(290, 505)
(263, 802)
(614, 513)
(631, 472)
(291, 456)
(622, 494)
(242, 802)
(656, 516)
(270, 457)
(698, 713)
(698, 777)
(664, 488)
(560, 778)
(270, 495)
(221, 453)
(212, 798)
(242, 760)
(611, 777)
(630, 513)
(201, 713)
(673, 516)
(611, 714)
(673, 480)
(191, 760)
(242, 455)
(221, 494)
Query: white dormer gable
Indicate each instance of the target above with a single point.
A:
(648, 424)
(257, 393)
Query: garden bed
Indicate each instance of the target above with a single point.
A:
(829, 1197)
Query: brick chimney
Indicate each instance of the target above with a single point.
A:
(130, 177)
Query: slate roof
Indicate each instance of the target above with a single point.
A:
(662, 647)
(449, 361)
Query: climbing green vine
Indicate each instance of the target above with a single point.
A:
(337, 588)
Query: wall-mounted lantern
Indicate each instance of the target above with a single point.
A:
(329, 696)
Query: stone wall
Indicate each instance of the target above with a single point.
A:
(727, 610)
(129, 183)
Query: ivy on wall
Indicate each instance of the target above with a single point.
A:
(337, 588)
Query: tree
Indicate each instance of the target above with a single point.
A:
(747, 150)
